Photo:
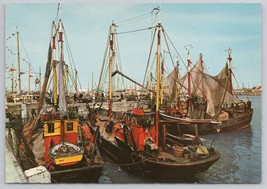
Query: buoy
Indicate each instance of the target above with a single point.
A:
(202, 152)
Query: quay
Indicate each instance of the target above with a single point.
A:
(14, 173)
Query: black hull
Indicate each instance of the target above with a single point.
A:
(187, 169)
(86, 174)
(146, 165)
(238, 122)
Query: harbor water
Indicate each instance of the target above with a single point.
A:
(240, 161)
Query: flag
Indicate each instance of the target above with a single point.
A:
(37, 81)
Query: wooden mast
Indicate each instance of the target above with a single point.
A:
(29, 80)
(188, 73)
(54, 63)
(178, 79)
(188, 79)
(62, 104)
(112, 54)
(92, 81)
(19, 79)
(162, 83)
(12, 76)
(158, 83)
(40, 83)
(46, 77)
(76, 81)
(230, 69)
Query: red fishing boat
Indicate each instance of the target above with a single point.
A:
(137, 139)
(55, 136)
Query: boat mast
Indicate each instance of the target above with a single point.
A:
(158, 83)
(19, 79)
(92, 81)
(54, 63)
(61, 87)
(12, 75)
(230, 69)
(40, 76)
(76, 81)
(112, 54)
(29, 80)
(188, 70)
(178, 79)
(162, 83)
(151, 87)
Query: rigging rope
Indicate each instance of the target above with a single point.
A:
(103, 63)
(132, 31)
(137, 18)
(163, 31)
(175, 49)
(119, 58)
(150, 51)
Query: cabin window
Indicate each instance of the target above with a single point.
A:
(134, 119)
(50, 127)
(146, 121)
(69, 126)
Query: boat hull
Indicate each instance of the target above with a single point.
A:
(85, 174)
(125, 158)
(182, 170)
(238, 122)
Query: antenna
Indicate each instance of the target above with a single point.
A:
(187, 47)
(157, 13)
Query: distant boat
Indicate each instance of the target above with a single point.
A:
(136, 139)
(207, 97)
(55, 137)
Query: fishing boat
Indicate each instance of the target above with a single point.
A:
(206, 97)
(56, 136)
(136, 139)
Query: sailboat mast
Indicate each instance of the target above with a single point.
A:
(151, 87)
(76, 81)
(158, 83)
(54, 63)
(230, 69)
(178, 79)
(112, 54)
(61, 87)
(188, 73)
(19, 79)
(12, 76)
(40, 76)
(29, 79)
(162, 83)
(92, 81)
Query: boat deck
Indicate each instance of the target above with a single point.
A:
(101, 124)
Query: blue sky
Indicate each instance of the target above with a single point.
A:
(209, 28)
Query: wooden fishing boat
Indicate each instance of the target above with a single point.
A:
(135, 143)
(56, 136)
(209, 98)
(137, 140)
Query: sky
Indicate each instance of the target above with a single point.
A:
(209, 28)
